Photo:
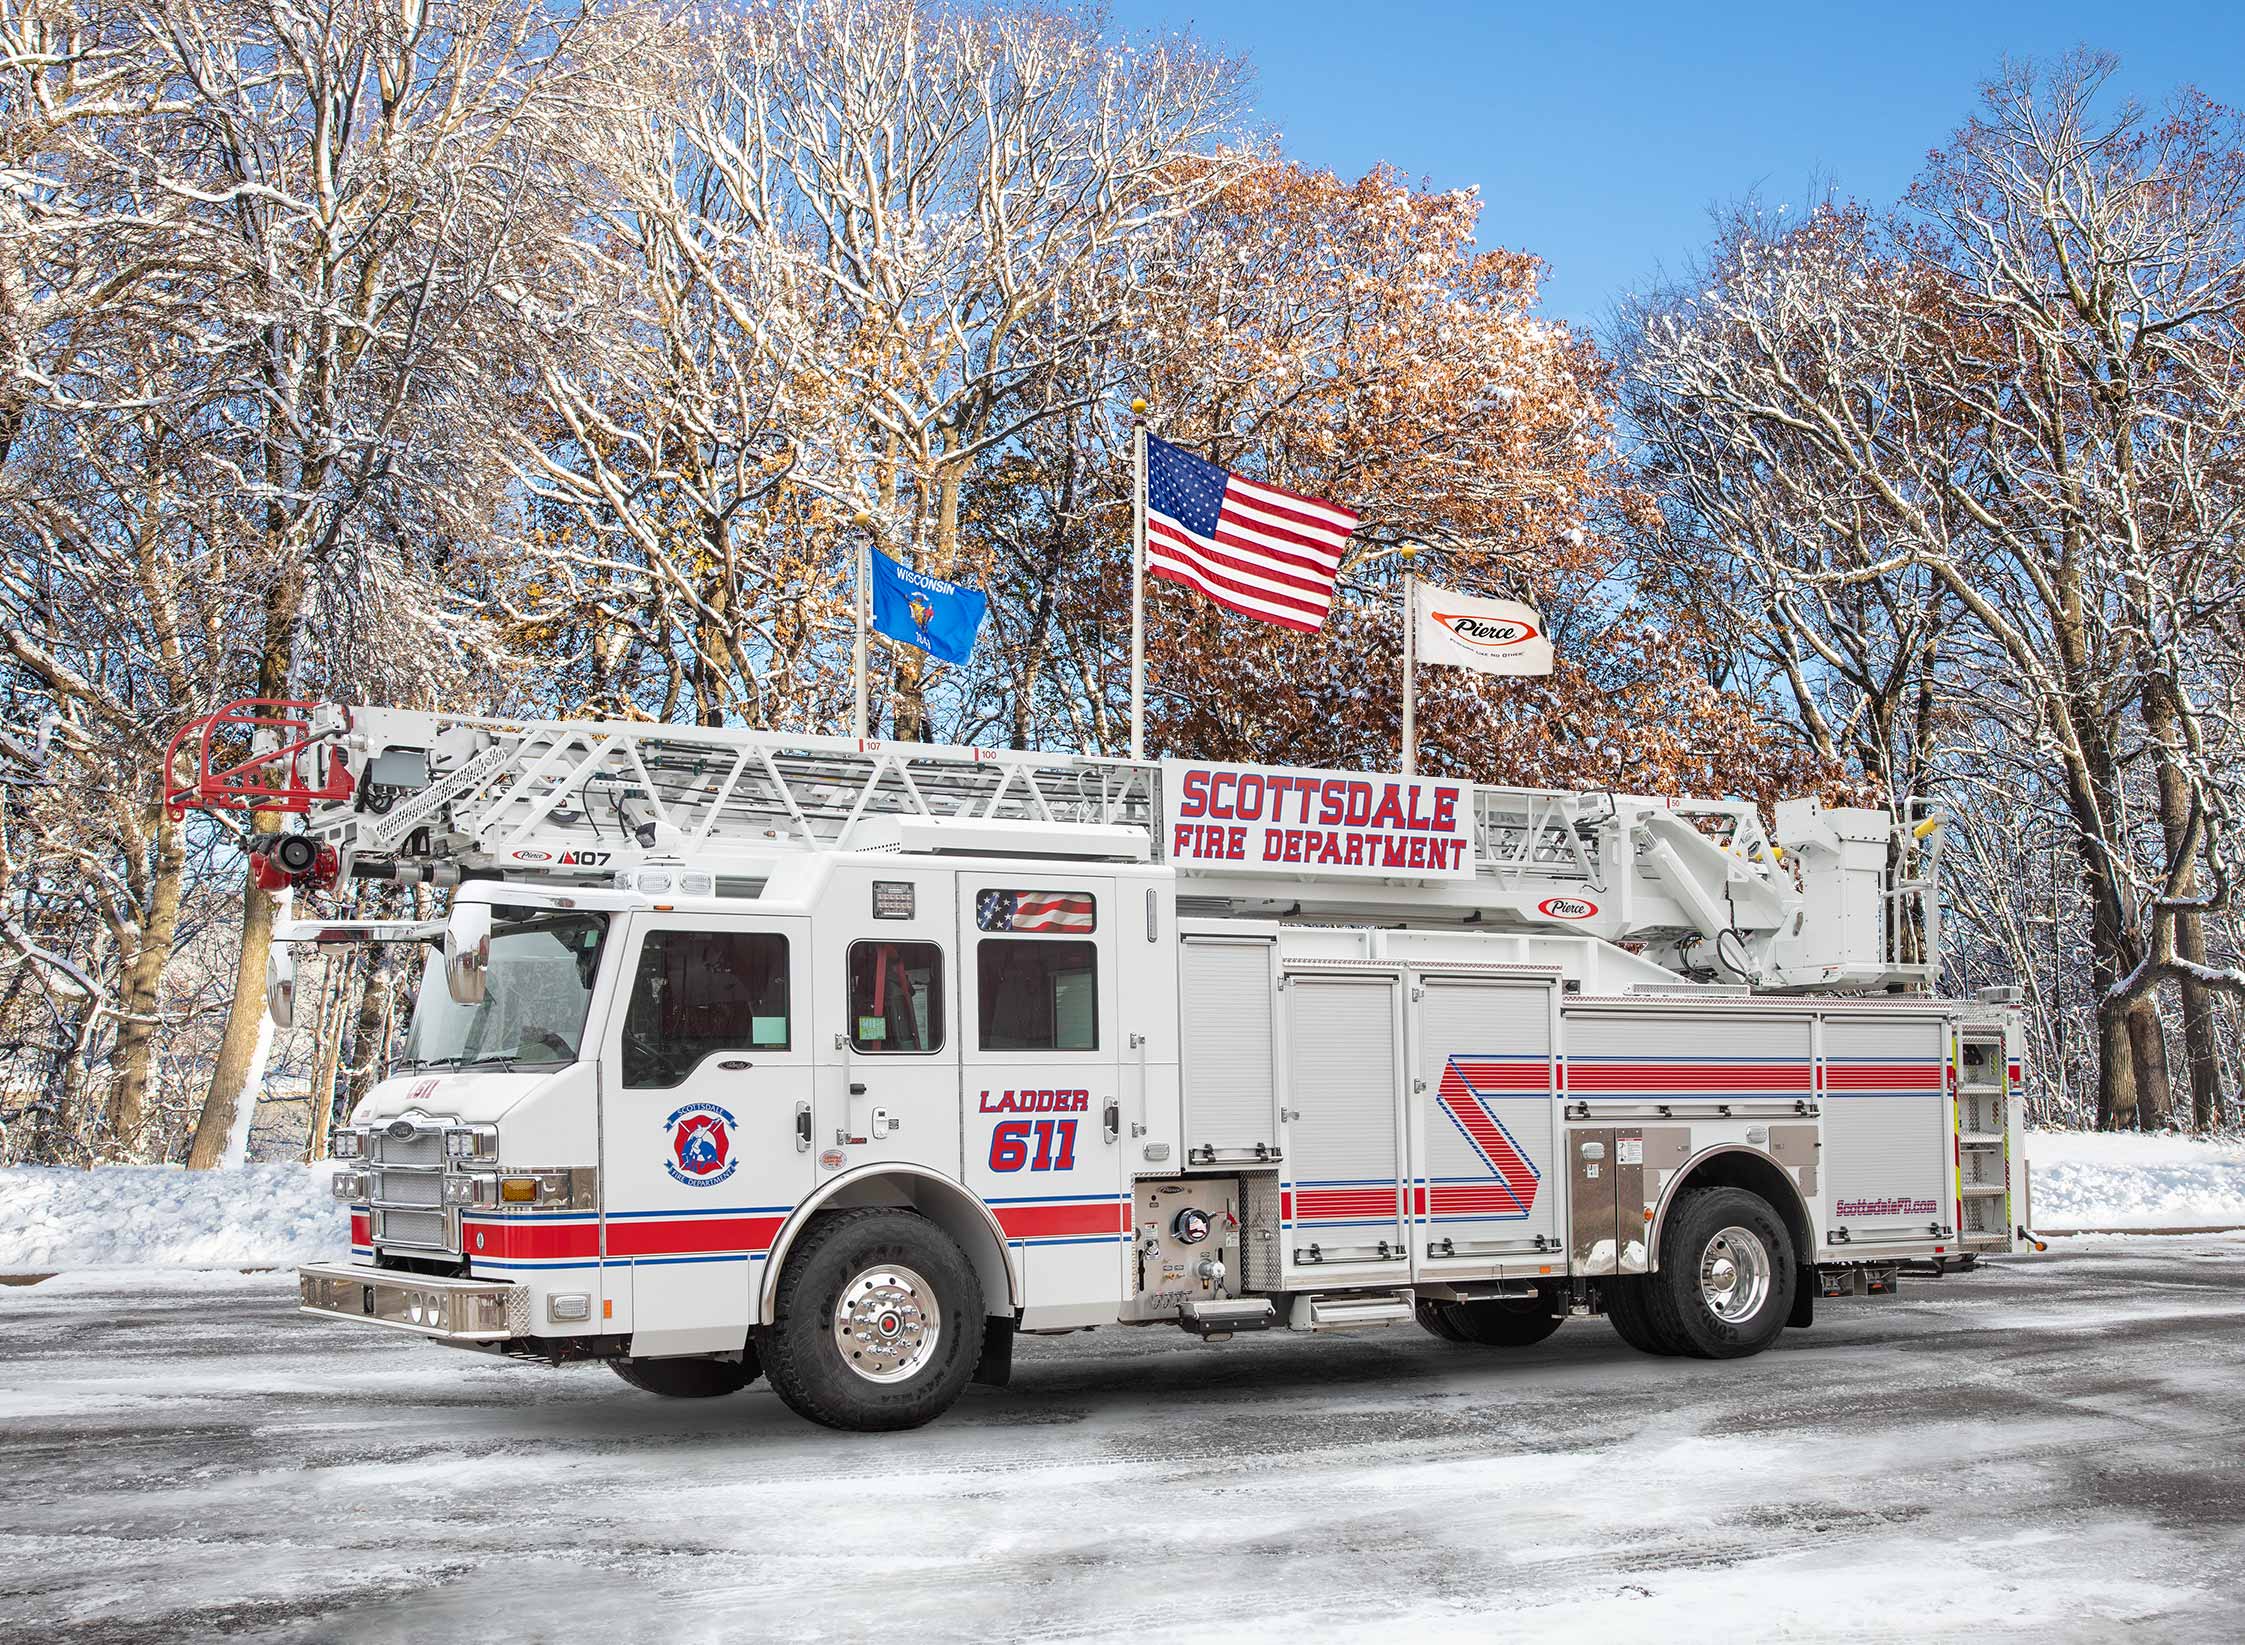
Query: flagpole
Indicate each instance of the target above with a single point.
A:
(1410, 552)
(864, 522)
(1138, 580)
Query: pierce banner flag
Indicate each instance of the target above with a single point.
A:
(1493, 636)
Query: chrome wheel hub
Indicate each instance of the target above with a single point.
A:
(887, 1323)
(1734, 1275)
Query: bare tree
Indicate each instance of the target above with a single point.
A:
(2029, 387)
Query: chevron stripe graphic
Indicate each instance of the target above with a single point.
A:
(1461, 1099)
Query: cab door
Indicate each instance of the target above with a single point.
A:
(888, 1042)
(1039, 1064)
(706, 1126)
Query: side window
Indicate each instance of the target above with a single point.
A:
(896, 997)
(698, 992)
(1038, 995)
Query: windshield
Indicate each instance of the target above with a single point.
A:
(536, 992)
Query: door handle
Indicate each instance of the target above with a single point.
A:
(802, 1128)
(1114, 1118)
(884, 1122)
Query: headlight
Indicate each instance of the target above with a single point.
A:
(347, 1144)
(348, 1185)
(472, 1142)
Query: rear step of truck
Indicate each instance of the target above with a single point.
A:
(1351, 1311)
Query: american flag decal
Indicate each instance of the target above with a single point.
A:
(1034, 911)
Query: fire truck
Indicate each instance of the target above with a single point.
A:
(843, 1063)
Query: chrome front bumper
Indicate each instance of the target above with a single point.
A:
(451, 1310)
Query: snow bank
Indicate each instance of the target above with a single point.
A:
(2103, 1179)
(128, 1215)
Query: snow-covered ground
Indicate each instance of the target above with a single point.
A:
(2129, 1180)
(2044, 1450)
(127, 1215)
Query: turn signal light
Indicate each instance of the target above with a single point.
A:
(519, 1190)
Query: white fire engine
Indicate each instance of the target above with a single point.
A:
(842, 1062)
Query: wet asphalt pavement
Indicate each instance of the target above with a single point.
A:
(2050, 1449)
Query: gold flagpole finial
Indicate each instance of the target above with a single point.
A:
(1138, 408)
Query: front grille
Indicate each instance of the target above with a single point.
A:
(422, 1148)
(408, 1187)
(427, 1230)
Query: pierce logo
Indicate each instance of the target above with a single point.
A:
(1567, 908)
(532, 854)
(701, 1145)
(1487, 633)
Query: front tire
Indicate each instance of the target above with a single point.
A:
(880, 1322)
(1727, 1275)
(689, 1378)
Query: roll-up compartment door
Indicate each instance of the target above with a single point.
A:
(1483, 1183)
(1888, 1160)
(1345, 1199)
(1227, 1011)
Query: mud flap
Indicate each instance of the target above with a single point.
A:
(995, 1368)
(1804, 1300)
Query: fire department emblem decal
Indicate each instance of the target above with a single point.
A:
(701, 1145)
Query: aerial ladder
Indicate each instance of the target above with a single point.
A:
(1841, 900)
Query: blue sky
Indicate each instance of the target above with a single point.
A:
(1599, 137)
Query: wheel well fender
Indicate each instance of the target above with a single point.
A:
(914, 1187)
(1734, 1165)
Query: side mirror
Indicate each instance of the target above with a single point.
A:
(280, 986)
(467, 952)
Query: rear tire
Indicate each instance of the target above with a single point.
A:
(689, 1378)
(1434, 1317)
(1727, 1275)
(1504, 1322)
(880, 1322)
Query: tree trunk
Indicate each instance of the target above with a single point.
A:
(2201, 1043)
(2116, 1073)
(326, 1053)
(2147, 1046)
(2116, 1077)
(235, 1068)
(133, 1059)
(368, 1033)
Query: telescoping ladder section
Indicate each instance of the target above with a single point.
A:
(401, 784)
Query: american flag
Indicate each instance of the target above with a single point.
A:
(1249, 547)
(1033, 911)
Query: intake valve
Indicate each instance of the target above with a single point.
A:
(1190, 1226)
